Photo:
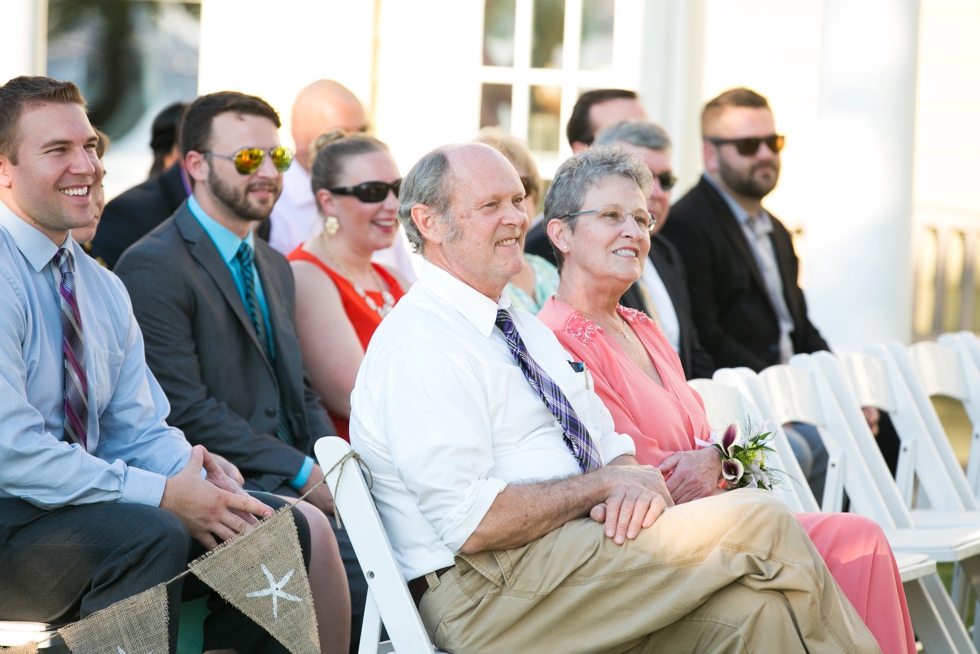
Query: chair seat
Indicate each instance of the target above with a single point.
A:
(914, 566)
(943, 544)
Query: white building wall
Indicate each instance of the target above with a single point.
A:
(22, 31)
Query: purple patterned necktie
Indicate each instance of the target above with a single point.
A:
(73, 348)
(576, 435)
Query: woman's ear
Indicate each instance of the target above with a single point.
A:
(325, 201)
(558, 233)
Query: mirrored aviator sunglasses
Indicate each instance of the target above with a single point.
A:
(369, 191)
(249, 160)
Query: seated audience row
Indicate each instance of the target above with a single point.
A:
(458, 400)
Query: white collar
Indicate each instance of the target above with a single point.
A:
(473, 305)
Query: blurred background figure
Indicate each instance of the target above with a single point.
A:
(341, 295)
(597, 109)
(84, 235)
(530, 288)
(321, 107)
(163, 141)
(664, 275)
(135, 213)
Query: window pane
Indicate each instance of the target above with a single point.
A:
(498, 32)
(955, 253)
(597, 35)
(549, 33)
(495, 106)
(544, 129)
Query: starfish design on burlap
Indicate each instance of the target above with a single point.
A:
(275, 589)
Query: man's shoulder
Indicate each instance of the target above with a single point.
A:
(163, 246)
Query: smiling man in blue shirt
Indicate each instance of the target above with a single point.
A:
(99, 498)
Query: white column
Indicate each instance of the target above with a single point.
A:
(858, 231)
(23, 30)
(671, 76)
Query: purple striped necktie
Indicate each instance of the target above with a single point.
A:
(576, 435)
(73, 348)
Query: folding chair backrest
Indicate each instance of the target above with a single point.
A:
(728, 403)
(801, 392)
(967, 346)
(386, 585)
(938, 369)
(926, 451)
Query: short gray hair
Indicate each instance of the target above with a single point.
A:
(583, 172)
(640, 133)
(428, 183)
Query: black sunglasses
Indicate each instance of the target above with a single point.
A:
(747, 147)
(666, 179)
(369, 191)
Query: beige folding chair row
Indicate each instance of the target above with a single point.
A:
(736, 394)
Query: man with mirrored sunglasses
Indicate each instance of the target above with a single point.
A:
(217, 309)
(663, 293)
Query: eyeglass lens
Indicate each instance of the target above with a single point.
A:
(747, 147)
(249, 160)
(370, 191)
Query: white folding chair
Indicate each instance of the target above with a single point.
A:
(388, 601)
(950, 368)
(800, 392)
(882, 376)
(729, 398)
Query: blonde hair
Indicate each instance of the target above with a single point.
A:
(329, 152)
(516, 152)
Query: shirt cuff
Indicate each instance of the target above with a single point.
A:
(456, 528)
(304, 474)
(142, 487)
(615, 445)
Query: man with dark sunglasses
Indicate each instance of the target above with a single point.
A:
(741, 266)
(217, 309)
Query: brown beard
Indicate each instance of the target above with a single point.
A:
(748, 185)
(237, 200)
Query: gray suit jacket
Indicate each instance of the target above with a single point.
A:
(223, 391)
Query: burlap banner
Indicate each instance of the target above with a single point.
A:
(262, 575)
(137, 625)
(28, 648)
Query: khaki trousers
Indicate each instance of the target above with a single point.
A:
(729, 573)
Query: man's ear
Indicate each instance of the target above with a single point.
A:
(196, 165)
(710, 152)
(427, 222)
(558, 231)
(578, 146)
(6, 174)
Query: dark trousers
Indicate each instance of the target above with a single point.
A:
(355, 577)
(60, 565)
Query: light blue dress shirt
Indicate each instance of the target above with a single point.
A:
(228, 243)
(130, 448)
(757, 230)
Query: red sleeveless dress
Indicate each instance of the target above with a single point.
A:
(364, 318)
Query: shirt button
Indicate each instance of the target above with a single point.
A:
(270, 411)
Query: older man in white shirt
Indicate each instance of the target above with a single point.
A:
(518, 515)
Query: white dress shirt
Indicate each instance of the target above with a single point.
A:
(295, 219)
(669, 325)
(445, 419)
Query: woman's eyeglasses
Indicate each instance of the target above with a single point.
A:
(369, 191)
(747, 147)
(644, 221)
(248, 160)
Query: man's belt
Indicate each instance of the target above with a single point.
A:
(419, 585)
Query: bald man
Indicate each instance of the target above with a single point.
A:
(322, 106)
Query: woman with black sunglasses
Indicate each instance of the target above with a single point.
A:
(341, 296)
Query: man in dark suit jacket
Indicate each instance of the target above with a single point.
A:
(741, 266)
(131, 215)
(217, 311)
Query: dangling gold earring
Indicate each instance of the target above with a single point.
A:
(331, 225)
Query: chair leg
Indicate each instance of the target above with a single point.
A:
(934, 617)
(960, 592)
(370, 627)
